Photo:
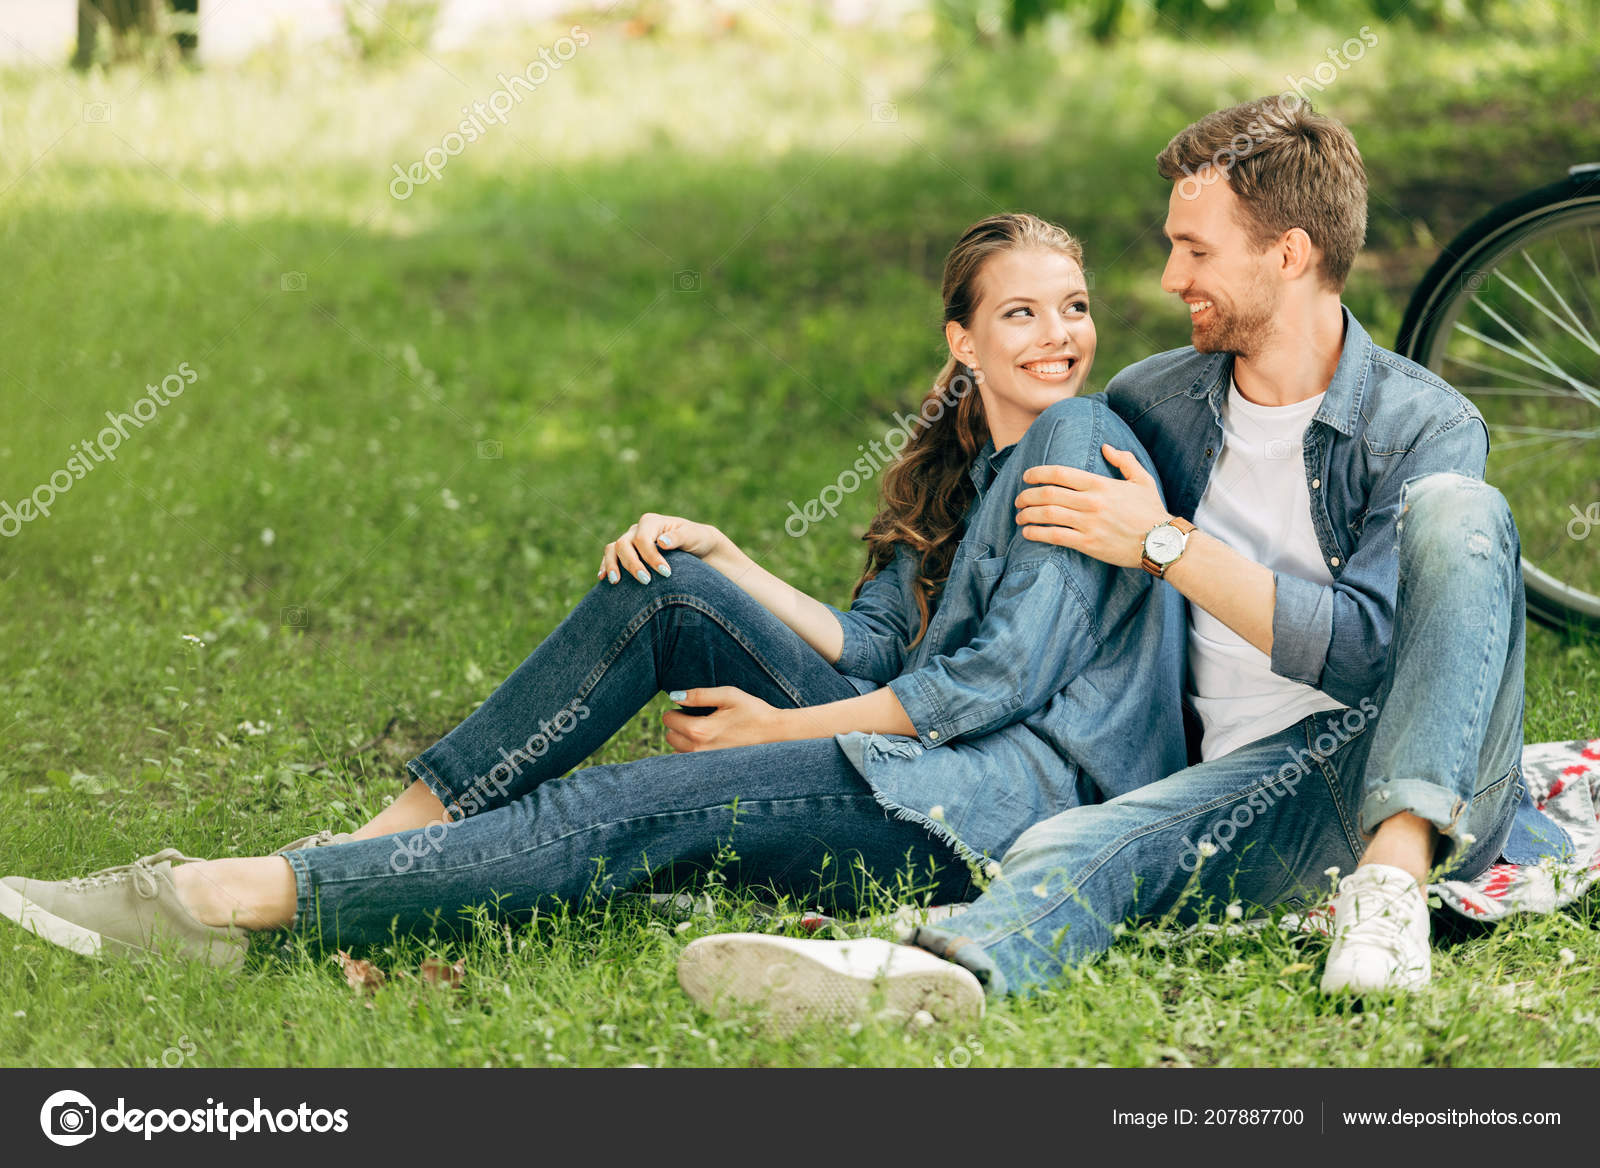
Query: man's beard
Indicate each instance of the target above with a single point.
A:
(1244, 332)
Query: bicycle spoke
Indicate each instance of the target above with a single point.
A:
(1580, 332)
(1589, 392)
(1555, 390)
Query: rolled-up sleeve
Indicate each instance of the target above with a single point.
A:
(875, 632)
(1336, 636)
(1039, 632)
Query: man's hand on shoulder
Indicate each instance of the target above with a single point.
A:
(1103, 517)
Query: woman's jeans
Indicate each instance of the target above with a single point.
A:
(522, 837)
(1269, 823)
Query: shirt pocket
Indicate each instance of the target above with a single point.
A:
(965, 603)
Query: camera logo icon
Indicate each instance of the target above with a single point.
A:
(294, 617)
(686, 280)
(1279, 448)
(68, 1118)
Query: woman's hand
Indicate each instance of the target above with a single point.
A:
(737, 719)
(639, 548)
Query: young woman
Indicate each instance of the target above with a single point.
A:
(980, 682)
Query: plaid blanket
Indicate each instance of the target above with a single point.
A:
(1564, 780)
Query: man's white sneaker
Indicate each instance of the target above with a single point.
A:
(1380, 933)
(800, 982)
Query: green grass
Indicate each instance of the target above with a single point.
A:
(530, 298)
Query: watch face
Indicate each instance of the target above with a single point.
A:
(1164, 544)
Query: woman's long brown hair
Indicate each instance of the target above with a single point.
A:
(926, 491)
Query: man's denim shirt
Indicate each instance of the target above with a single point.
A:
(1046, 679)
(1383, 420)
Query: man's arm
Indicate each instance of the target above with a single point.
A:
(1232, 587)
(1291, 619)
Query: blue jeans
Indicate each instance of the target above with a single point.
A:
(524, 837)
(1442, 739)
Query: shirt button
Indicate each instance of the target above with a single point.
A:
(933, 734)
(1315, 483)
(1334, 561)
(1208, 452)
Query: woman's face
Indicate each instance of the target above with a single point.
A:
(1031, 336)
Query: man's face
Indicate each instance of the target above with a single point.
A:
(1229, 287)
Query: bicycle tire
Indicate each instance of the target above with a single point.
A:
(1436, 302)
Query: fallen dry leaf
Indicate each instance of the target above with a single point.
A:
(361, 975)
(437, 973)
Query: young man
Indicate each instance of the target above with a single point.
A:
(1356, 619)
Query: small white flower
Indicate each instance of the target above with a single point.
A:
(268, 537)
(923, 1019)
(991, 869)
(1234, 911)
(19, 1013)
(683, 926)
(194, 640)
(474, 673)
(1332, 873)
(1207, 848)
(936, 812)
(1567, 956)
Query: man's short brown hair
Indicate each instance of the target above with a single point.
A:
(1289, 166)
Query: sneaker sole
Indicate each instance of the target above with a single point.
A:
(796, 989)
(1353, 985)
(86, 942)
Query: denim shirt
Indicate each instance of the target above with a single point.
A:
(1383, 420)
(1046, 679)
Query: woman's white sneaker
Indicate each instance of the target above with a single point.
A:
(801, 982)
(1380, 933)
(131, 911)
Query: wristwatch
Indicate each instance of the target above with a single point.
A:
(1163, 544)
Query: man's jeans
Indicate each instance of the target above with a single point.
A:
(523, 837)
(1264, 823)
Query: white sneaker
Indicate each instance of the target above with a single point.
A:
(1380, 933)
(800, 982)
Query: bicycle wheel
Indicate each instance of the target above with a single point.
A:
(1507, 315)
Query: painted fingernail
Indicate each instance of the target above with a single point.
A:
(679, 695)
(665, 541)
(664, 568)
(613, 576)
(642, 575)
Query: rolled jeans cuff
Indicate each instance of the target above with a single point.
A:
(420, 770)
(965, 952)
(1438, 805)
(304, 897)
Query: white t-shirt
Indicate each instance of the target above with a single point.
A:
(1257, 503)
